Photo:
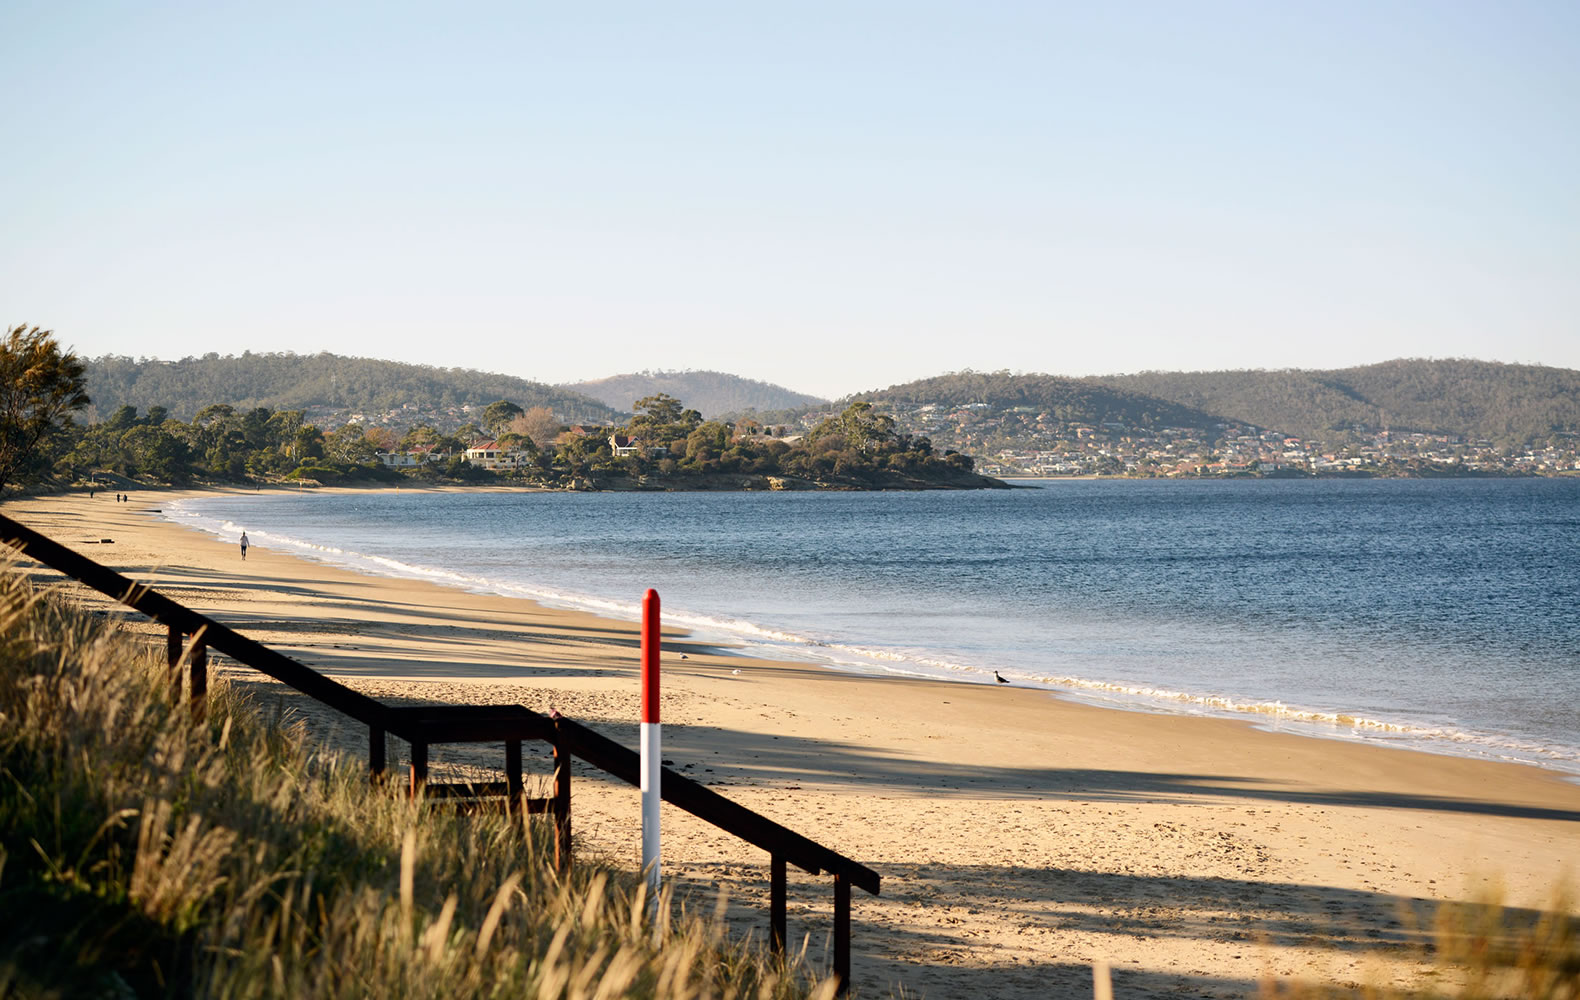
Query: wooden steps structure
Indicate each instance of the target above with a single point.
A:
(190, 636)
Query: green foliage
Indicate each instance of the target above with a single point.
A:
(40, 387)
(219, 443)
(144, 855)
(663, 419)
(498, 415)
(344, 474)
(861, 448)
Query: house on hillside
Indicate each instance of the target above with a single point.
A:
(411, 459)
(493, 456)
(624, 445)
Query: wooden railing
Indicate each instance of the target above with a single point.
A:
(191, 635)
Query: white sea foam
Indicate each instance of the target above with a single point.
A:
(778, 642)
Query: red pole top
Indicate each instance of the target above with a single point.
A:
(650, 639)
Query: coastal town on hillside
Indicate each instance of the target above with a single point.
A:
(1174, 452)
(1025, 442)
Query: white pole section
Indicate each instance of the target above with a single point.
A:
(652, 750)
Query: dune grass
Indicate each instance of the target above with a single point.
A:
(1479, 950)
(142, 854)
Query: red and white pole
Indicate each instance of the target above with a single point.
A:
(652, 751)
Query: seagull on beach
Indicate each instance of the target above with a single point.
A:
(998, 678)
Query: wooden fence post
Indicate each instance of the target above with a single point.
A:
(842, 932)
(513, 783)
(419, 768)
(376, 758)
(173, 645)
(198, 667)
(562, 803)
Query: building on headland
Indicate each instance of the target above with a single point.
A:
(623, 446)
(493, 456)
(411, 459)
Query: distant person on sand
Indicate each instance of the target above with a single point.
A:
(244, 545)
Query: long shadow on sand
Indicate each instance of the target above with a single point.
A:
(722, 757)
(1243, 921)
(750, 757)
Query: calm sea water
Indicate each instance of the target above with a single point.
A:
(1438, 614)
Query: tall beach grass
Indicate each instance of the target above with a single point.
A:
(144, 854)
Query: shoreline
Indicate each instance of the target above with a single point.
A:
(1020, 836)
(1312, 715)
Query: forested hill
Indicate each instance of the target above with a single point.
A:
(327, 386)
(1480, 400)
(709, 393)
(1066, 400)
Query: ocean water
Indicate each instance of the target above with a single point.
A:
(1439, 614)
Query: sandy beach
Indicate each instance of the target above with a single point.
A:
(1020, 836)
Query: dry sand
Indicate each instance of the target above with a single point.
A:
(1020, 836)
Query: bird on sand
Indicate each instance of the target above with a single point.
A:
(998, 678)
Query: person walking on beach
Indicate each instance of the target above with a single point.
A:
(244, 545)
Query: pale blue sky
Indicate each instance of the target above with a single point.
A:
(831, 196)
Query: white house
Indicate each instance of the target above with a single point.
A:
(492, 455)
(622, 446)
(410, 459)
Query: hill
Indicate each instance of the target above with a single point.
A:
(1064, 400)
(327, 387)
(712, 394)
(1478, 400)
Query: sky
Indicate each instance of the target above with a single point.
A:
(832, 197)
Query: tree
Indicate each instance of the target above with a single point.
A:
(349, 444)
(864, 428)
(123, 418)
(707, 443)
(308, 443)
(497, 416)
(656, 411)
(40, 387)
(152, 451)
(538, 423)
(381, 438)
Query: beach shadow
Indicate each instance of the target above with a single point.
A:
(420, 613)
(722, 757)
(919, 933)
(752, 757)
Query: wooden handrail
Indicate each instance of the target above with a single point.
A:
(422, 725)
(704, 803)
(163, 610)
